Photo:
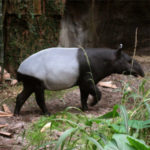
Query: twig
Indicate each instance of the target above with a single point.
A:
(135, 45)
(3, 125)
(4, 114)
(6, 134)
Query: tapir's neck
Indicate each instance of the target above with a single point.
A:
(102, 70)
(98, 61)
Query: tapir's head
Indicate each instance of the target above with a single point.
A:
(124, 64)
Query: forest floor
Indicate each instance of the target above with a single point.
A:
(30, 112)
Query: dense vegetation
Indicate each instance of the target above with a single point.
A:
(119, 129)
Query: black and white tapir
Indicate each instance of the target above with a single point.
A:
(62, 68)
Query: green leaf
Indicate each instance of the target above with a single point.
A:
(111, 114)
(148, 108)
(141, 87)
(147, 93)
(122, 142)
(119, 142)
(66, 120)
(64, 136)
(134, 96)
(119, 128)
(97, 120)
(136, 124)
(125, 142)
(111, 146)
(139, 124)
(44, 145)
(89, 123)
(99, 147)
(124, 116)
(138, 144)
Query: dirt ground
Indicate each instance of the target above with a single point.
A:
(31, 112)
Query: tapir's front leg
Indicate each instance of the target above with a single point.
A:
(95, 92)
(88, 87)
(84, 96)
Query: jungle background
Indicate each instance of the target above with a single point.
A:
(28, 26)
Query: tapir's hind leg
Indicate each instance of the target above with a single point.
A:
(22, 97)
(39, 94)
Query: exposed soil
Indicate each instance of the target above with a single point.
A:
(31, 112)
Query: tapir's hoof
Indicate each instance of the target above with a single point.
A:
(85, 108)
(16, 113)
(46, 113)
(93, 103)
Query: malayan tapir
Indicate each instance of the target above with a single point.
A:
(61, 68)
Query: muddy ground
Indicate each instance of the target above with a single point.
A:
(31, 112)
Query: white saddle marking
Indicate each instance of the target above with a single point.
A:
(58, 68)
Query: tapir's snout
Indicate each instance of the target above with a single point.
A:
(142, 74)
(137, 70)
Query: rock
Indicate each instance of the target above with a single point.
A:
(4, 70)
(13, 82)
(6, 75)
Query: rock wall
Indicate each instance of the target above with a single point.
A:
(106, 23)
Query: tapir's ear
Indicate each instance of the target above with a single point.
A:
(119, 51)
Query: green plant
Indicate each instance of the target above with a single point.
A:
(125, 142)
(143, 98)
(136, 121)
(77, 131)
(118, 129)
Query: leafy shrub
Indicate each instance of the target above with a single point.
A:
(118, 129)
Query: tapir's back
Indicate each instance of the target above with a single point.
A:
(58, 68)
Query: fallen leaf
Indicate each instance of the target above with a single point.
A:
(108, 84)
(3, 125)
(13, 82)
(48, 125)
(4, 114)
(6, 109)
(6, 76)
(129, 89)
(7, 134)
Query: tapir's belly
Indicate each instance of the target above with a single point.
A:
(58, 68)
